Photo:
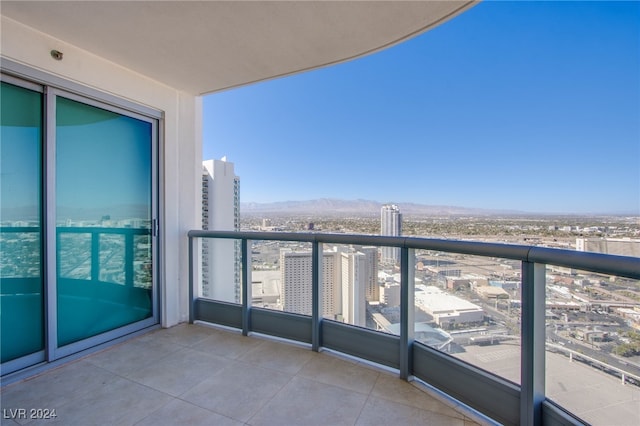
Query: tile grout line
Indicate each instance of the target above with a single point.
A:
(248, 421)
(366, 401)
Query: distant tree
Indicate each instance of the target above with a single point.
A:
(627, 349)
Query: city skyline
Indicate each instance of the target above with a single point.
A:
(531, 107)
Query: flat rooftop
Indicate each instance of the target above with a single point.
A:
(436, 301)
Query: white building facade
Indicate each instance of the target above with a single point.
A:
(295, 281)
(349, 282)
(220, 212)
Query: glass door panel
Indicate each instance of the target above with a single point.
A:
(21, 272)
(103, 220)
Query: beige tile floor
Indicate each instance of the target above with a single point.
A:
(199, 375)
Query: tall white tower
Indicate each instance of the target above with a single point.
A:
(354, 283)
(390, 225)
(220, 212)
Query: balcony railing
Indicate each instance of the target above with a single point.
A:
(503, 400)
(103, 281)
(90, 255)
(98, 234)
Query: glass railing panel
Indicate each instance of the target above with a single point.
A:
(593, 345)
(367, 289)
(20, 253)
(282, 276)
(370, 289)
(221, 269)
(469, 307)
(74, 259)
(112, 258)
(142, 261)
(266, 273)
(353, 283)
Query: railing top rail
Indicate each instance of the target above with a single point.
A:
(102, 230)
(20, 229)
(622, 266)
(77, 230)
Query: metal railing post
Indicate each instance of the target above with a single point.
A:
(246, 288)
(316, 294)
(95, 256)
(407, 309)
(532, 361)
(191, 281)
(128, 259)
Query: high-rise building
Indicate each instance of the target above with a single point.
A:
(349, 281)
(390, 225)
(354, 282)
(372, 287)
(220, 212)
(295, 270)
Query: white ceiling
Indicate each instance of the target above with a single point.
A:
(206, 46)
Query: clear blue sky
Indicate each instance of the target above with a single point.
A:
(511, 105)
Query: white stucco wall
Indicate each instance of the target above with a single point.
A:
(180, 145)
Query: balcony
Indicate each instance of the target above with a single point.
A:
(530, 378)
(108, 65)
(195, 374)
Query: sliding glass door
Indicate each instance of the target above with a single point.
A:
(21, 263)
(103, 220)
(77, 241)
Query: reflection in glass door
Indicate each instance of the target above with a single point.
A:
(21, 272)
(103, 220)
(77, 214)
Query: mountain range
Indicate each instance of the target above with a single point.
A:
(339, 207)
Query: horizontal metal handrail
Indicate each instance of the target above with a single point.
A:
(19, 229)
(77, 230)
(102, 230)
(621, 266)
